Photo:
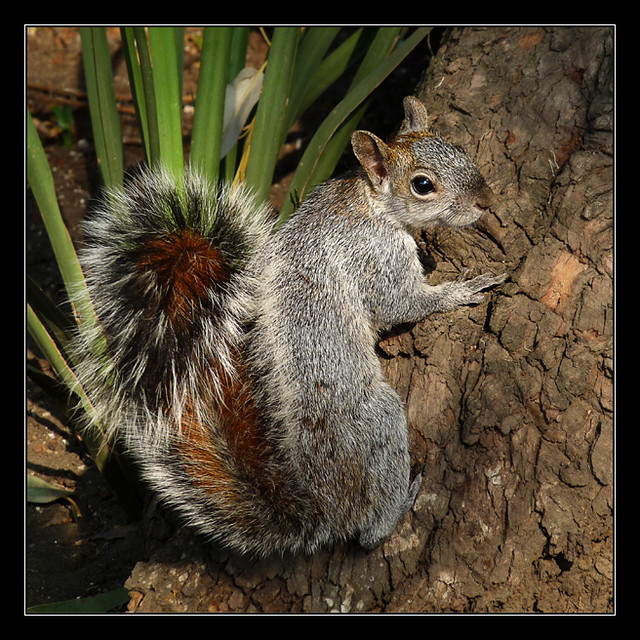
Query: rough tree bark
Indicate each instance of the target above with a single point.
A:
(510, 403)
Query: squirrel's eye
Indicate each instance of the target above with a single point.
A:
(422, 185)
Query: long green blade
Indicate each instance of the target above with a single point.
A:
(313, 45)
(94, 440)
(49, 349)
(57, 322)
(206, 137)
(166, 94)
(379, 43)
(331, 68)
(136, 84)
(105, 120)
(41, 182)
(271, 116)
(147, 108)
(101, 603)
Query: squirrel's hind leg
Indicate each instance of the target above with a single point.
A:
(377, 532)
(392, 492)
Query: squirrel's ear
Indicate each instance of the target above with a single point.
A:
(371, 153)
(415, 116)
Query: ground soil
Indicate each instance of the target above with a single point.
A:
(73, 553)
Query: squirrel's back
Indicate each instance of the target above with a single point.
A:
(241, 369)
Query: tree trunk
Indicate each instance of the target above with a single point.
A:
(510, 403)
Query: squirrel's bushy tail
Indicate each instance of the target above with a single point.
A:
(168, 267)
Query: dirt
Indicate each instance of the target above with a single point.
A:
(92, 545)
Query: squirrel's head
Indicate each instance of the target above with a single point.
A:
(421, 178)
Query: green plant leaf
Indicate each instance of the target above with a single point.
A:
(237, 62)
(145, 99)
(57, 322)
(40, 491)
(271, 115)
(136, 83)
(153, 62)
(330, 69)
(167, 75)
(97, 604)
(95, 441)
(314, 43)
(206, 137)
(42, 186)
(105, 120)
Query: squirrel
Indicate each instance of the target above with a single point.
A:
(241, 371)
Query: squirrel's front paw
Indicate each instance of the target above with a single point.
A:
(471, 288)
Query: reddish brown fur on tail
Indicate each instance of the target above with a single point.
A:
(246, 452)
(185, 265)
